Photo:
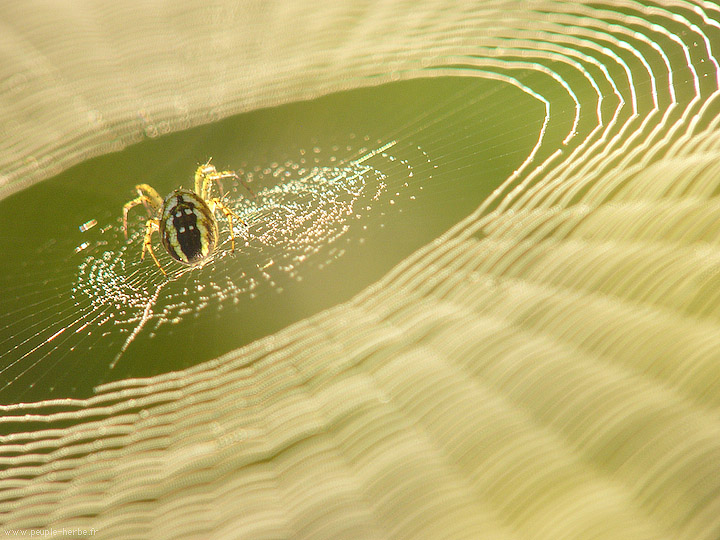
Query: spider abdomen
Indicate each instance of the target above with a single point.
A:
(188, 227)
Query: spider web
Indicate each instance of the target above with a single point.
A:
(534, 348)
(323, 221)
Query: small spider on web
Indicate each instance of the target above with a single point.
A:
(185, 219)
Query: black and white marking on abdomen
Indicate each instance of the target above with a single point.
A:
(188, 228)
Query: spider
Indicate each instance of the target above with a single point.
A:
(186, 219)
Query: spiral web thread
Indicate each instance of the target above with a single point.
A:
(547, 369)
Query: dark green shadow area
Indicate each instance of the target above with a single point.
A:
(322, 228)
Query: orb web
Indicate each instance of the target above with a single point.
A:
(298, 216)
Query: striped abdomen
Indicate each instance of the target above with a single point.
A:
(188, 228)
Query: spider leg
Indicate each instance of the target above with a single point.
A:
(148, 197)
(152, 197)
(232, 174)
(206, 174)
(126, 209)
(151, 225)
(229, 214)
(201, 178)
